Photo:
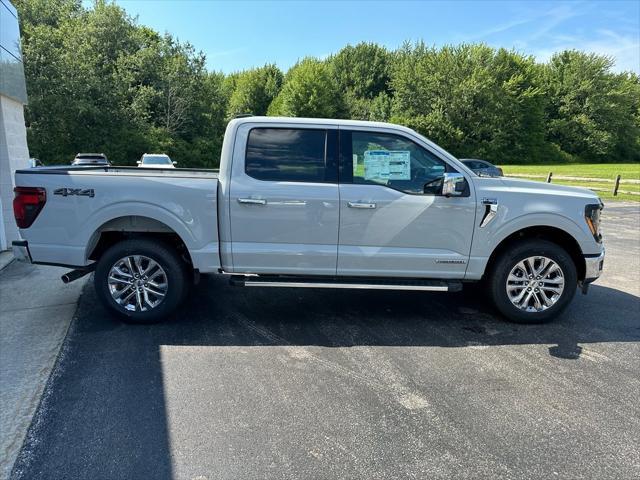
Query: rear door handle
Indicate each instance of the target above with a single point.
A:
(252, 201)
(361, 205)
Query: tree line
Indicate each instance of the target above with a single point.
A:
(99, 81)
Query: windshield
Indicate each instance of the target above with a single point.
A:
(156, 160)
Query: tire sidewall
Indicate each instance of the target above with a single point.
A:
(518, 253)
(165, 256)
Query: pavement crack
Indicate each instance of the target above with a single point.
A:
(13, 310)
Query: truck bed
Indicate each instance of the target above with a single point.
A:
(82, 203)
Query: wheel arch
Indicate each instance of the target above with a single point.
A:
(130, 226)
(543, 232)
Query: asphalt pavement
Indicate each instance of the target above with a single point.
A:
(286, 383)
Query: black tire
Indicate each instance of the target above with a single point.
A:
(174, 267)
(510, 258)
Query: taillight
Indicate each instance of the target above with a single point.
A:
(27, 204)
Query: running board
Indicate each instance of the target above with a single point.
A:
(344, 282)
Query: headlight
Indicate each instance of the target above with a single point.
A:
(592, 217)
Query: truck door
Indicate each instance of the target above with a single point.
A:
(394, 221)
(284, 199)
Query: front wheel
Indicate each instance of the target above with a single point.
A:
(142, 280)
(533, 281)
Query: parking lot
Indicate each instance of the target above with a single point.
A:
(298, 383)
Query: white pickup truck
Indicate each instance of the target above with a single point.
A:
(312, 203)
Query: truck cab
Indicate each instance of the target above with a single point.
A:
(317, 203)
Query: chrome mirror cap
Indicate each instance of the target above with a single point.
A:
(453, 184)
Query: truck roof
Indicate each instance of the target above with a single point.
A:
(320, 121)
(355, 124)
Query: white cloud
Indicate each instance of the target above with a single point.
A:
(553, 18)
(544, 33)
(544, 20)
(624, 49)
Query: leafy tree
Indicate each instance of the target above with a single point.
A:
(50, 13)
(472, 99)
(362, 73)
(99, 82)
(69, 65)
(308, 91)
(592, 113)
(380, 108)
(255, 90)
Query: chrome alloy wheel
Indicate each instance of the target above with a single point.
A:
(137, 283)
(535, 284)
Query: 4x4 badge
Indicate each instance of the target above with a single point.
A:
(82, 192)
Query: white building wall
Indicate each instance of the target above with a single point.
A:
(14, 154)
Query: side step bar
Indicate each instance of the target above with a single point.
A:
(346, 282)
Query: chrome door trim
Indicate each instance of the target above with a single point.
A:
(361, 205)
(492, 211)
(290, 203)
(252, 201)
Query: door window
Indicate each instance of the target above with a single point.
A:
(287, 155)
(390, 160)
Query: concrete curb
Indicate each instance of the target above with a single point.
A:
(6, 258)
(35, 314)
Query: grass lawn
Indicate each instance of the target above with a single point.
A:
(629, 171)
(596, 170)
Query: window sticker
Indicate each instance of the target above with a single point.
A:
(387, 165)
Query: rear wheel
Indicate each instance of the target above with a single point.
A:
(142, 280)
(533, 281)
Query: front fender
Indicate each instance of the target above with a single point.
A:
(487, 239)
(529, 220)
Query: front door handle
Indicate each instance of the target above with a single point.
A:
(252, 201)
(361, 205)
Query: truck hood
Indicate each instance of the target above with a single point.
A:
(543, 188)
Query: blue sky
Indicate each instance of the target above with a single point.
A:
(243, 34)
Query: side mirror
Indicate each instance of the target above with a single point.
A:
(174, 163)
(453, 185)
(139, 162)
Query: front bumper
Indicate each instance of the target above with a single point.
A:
(21, 251)
(593, 266)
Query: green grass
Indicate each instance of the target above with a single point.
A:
(594, 170)
(628, 171)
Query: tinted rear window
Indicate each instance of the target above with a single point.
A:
(286, 154)
(156, 160)
(90, 160)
